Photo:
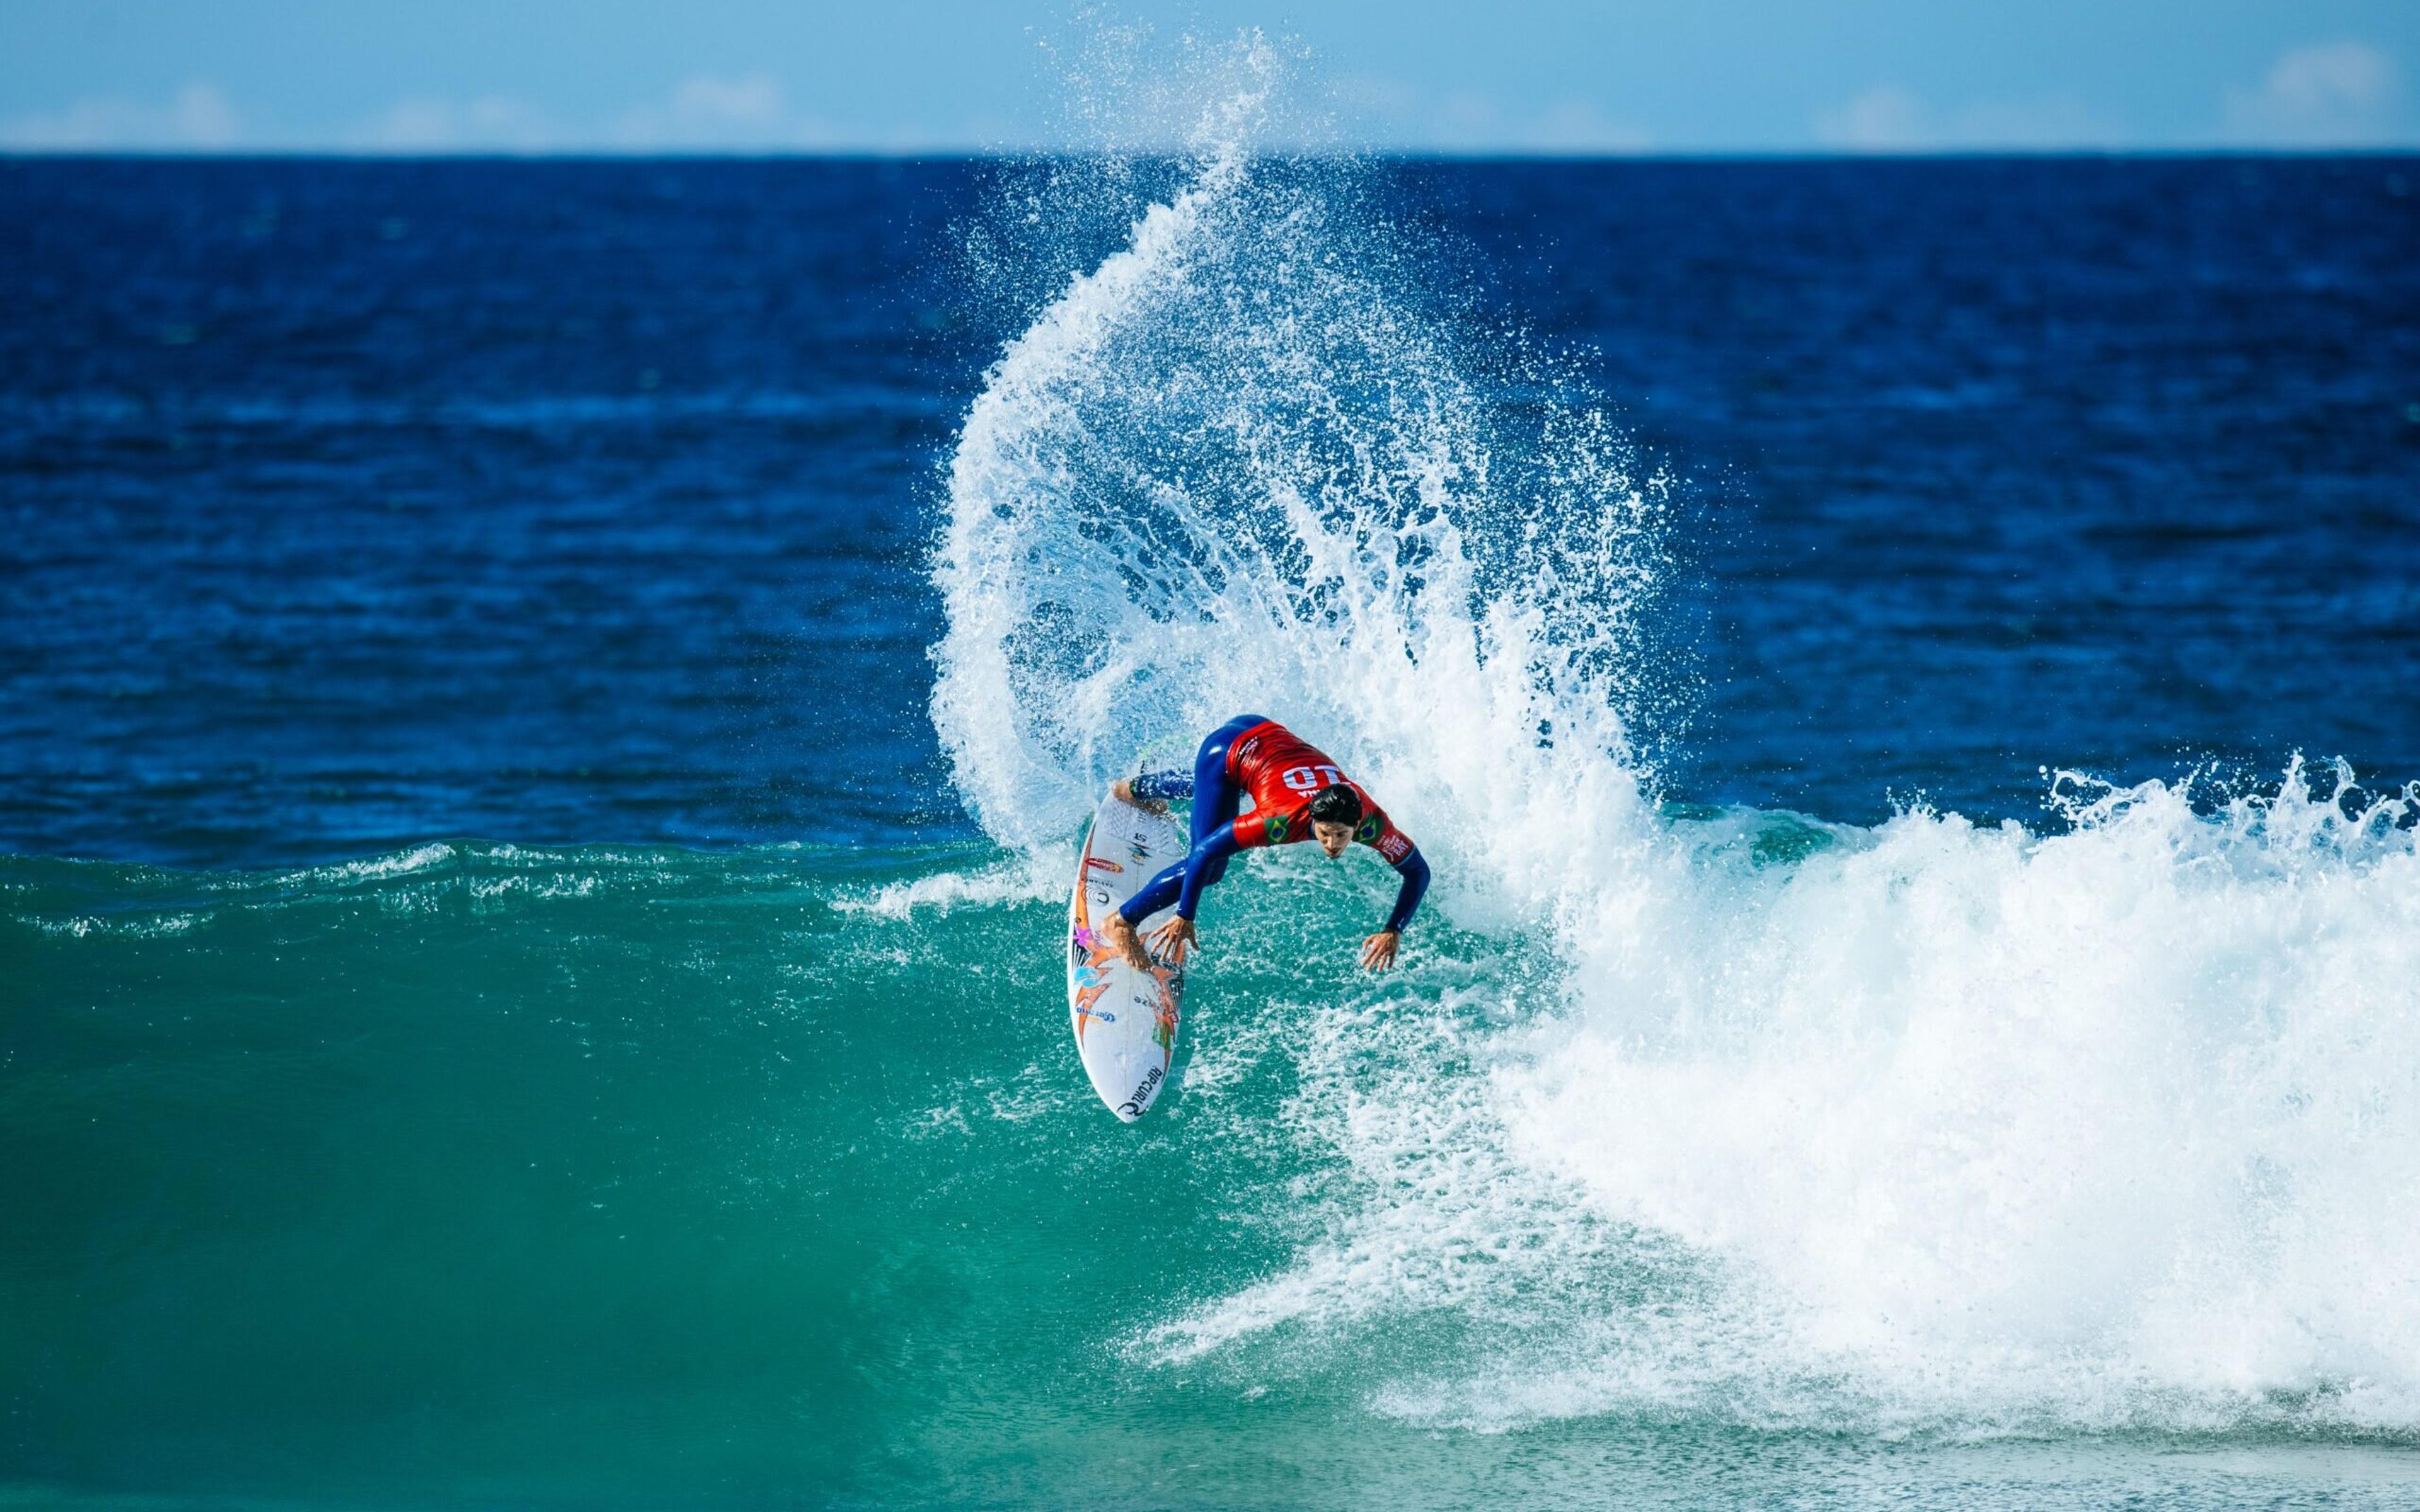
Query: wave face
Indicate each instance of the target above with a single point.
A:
(1928, 1127)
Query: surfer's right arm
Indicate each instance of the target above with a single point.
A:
(1151, 791)
(1176, 783)
(1125, 793)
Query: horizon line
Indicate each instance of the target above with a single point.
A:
(977, 154)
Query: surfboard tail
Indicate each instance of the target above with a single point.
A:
(1125, 1020)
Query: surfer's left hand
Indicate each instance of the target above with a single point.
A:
(1378, 950)
(1172, 939)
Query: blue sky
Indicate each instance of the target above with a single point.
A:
(917, 75)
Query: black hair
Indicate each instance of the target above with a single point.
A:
(1336, 804)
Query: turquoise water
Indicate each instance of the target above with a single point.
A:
(695, 1177)
(645, 1177)
(483, 1175)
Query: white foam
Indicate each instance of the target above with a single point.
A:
(403, 863)
(944, 891)
(1943, 1129)
(1935, 1126)
(1226, 471)
(134, 926)
(2122, 1112)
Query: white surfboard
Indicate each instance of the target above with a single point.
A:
(1125, 1019)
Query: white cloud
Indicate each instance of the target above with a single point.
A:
(1892, 118)
(702, 114)
(1398, 117)
(198, 118)
(492, 123)
(2335, 94)
(1578, 126)
(709, 114)
(1885, 119)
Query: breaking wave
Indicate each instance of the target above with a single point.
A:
(1934, 1126)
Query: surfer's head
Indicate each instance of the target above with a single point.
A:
(1335, 810)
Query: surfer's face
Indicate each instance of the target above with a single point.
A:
(1332, 837)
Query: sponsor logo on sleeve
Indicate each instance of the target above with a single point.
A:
(1395, 846)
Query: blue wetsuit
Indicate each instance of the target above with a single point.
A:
(1249, 753)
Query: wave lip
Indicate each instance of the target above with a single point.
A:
(1238, 466)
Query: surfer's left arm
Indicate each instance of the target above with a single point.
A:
(1378, 950)
(1180, 884)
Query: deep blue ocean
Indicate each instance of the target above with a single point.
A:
(541, 703)
(351, 504)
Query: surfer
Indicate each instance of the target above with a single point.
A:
(1296, 793)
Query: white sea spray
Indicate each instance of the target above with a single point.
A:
(1932, 1127)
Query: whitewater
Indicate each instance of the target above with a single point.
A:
(1932, 1129)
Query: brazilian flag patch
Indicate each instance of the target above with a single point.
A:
(1368, 833)
(1277, 829)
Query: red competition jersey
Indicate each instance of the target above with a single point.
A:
(1282, 773)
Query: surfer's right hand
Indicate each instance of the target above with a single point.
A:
(1173, 938)
(1123, 940)
(1123, 792)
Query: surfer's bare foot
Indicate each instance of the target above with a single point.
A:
(1123, 792)
(1122, 935)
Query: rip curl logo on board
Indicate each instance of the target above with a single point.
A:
(1139, 1097)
